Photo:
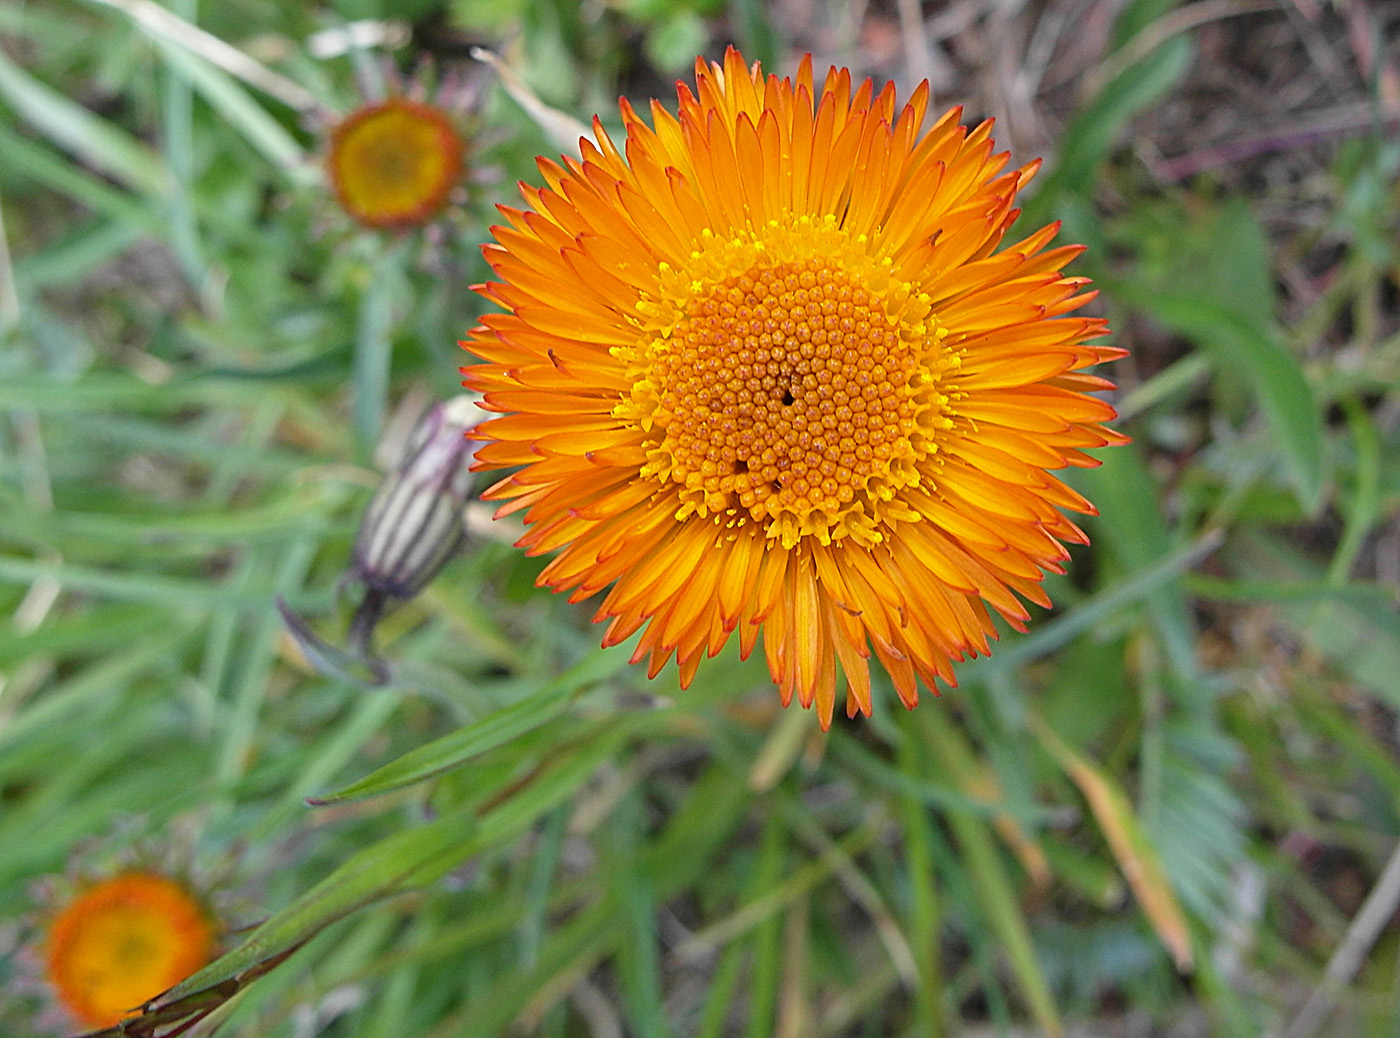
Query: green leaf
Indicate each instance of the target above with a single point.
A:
(1274, 374)
(134, 586)
(237, 107)
(1205, 275)
(1093, 132)
(108, 390)
(1137, 16)
(990, 880)
(632, 891)
(402, 862)
(93, 141)
(393, 865)
(472, 740)
(70, 260)
(1354, 625)
(922, 912)
(1131, 526)
(40, 163)
(374, 350)
(1153, 582)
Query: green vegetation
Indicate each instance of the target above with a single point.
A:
(1168, 801)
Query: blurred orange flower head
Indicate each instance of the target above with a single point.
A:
(123, 941)
(395, 163)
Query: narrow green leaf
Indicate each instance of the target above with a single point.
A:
(67, 698)
(36, 161)
(765, 872)
(1375, 599)
(757, 38)
(1093, 132)
(1274, 374)
(1132, 527)
(402, 862)
(110, 390)
(237, 107)
(923, 910)
(574, 948)
(765, 969)
(393, 865)
(990, 881)
(724, 982)
(640, 965)
(1176, 377)
(1365, 504)
(373, 353)
(237, 731)
(326, 756)
(1136, 17)
(69, 260)
(135, 586)
(544, 863)
(450, 751)
(1204, 273)
(93, 141)
(1358, 630)
(1138, 585)
(933, 791)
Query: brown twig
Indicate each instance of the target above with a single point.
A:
(1379, 906)
(1335, 122)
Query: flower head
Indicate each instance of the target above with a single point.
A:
(394, 163)
(122, 941)
(768, 367)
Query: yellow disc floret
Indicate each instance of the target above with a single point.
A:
(123, 941)
(790, 380)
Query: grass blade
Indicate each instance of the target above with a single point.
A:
(507, 724)
(990, 881)
(1136, 856)
(91, 140)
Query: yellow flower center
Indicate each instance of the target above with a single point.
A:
(789, 378)
(395, 163)
(125, 941)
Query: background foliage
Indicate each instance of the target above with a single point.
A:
(1168, 809)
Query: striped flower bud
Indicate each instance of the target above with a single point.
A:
(412, 526)
(414, 523)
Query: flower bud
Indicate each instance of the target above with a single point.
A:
(414, 523)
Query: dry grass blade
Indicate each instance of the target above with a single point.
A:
(1136, 857)
(161, 23)
(562, 129)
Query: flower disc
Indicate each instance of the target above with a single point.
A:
(393, 164)
(766, 367)
(124, 941)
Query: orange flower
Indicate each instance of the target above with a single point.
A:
(394, 163)
(766, 367)
(123, 941)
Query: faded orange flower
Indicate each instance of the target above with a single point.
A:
(768, 367)
(394, 163)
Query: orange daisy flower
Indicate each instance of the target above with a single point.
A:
(123, 941)
(393, 164)
(765, 367)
